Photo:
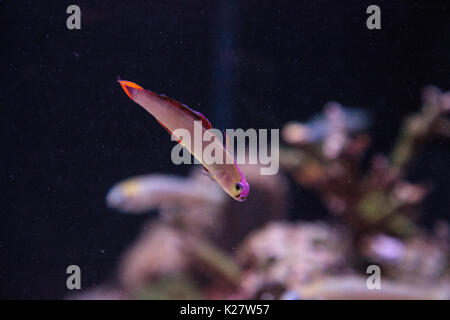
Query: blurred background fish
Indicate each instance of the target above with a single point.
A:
(144, 193)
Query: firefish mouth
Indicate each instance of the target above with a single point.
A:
(245, 191)
(239, 198)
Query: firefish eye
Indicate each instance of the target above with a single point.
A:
(238, 187)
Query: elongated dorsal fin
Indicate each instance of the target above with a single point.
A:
(195, 114)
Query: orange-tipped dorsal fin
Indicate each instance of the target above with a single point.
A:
(124, 84)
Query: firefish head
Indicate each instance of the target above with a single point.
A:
(237, 187)
(241, 190)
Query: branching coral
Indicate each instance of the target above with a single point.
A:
(380, 200)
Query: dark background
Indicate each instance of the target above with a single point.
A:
(69, 132)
